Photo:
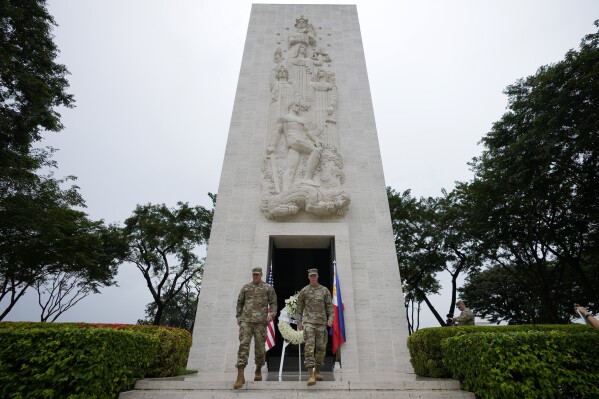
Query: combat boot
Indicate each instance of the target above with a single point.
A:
(258, 375)
(240, 378)
(312, 379)
(317, 375)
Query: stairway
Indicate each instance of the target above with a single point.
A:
(403, 386)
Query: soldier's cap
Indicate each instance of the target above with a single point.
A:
(257, 270)
(312, 271)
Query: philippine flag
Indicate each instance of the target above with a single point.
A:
(338, 330)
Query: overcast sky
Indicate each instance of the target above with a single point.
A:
(154, 83)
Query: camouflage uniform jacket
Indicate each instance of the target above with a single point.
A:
(466, 318)
(253, 301)
(315, 305)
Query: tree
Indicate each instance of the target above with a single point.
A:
(161, 242)
(45, 241)
(417, 250)
(499, 293)
(429, 239)
(180, 311)
(42, 235)
(533, 200)
(32, 84)
(462, 249)
(97, 250)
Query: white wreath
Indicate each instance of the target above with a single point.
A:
(286, 319)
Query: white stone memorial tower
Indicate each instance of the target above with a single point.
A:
(302, 186)
(302, 182)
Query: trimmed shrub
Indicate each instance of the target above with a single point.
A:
(425, 345)
(80, 360)
(72, 363)
(174, 343)
(525, 364)
(425, 351)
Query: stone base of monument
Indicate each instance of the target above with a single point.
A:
(347, 387)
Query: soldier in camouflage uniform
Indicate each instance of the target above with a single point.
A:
(252, 317)
(466, 318)
(314, 312)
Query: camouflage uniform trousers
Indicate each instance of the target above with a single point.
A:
(246, 332)
(315, 344)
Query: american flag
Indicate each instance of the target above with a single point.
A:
(270, 328)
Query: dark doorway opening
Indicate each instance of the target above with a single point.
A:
(290, 260)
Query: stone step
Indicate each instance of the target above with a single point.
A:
(190, 388)
(297, 395)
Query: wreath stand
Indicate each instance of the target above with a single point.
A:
(284, 317)
(299, 347)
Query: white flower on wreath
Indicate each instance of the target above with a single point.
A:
(291, 304)
(288, 333)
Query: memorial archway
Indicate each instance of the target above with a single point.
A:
(291, 257)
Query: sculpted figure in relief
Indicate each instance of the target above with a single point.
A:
(330, 197)
(300, 140)
(322, 56)
(280, 84)
(324, 95)
(304, 33)
(281, 94)
(324, 200)
(301, 68)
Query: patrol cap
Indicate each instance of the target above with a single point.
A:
(257, 270)
(312, 271)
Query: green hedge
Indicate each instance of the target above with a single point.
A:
(173, 350)
(132, 351)
(525, 364)
(72, 363)
(425, 345)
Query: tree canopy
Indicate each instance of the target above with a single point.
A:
(161, 243)
(430, 239)
(180, 311)
(533, 199)
(527, 224)
(46, 241)
(501, 294)
(32, 84)
(42, 235)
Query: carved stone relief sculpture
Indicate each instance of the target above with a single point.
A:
(324, 99)
(281, 95)
(302, 169)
